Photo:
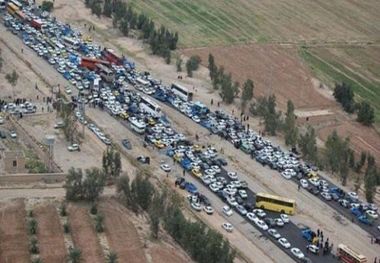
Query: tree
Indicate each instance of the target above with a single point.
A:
(192, 64)
(272, 117)
(178, 63)
(228, 90)
(47, 6)
(308, 144)
(344, 94)
(97, 9)
(111, 163)
(370, 182)
(366, 114)
(361, 162)
(124, 27)
(247, 94)
(141, 191)
(75, 255)
(112, 257)
(291, 130)
(213, 70)
(33, 245)
(99, 223)
(12, 78)
(107, 8)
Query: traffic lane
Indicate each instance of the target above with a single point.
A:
(290, 231)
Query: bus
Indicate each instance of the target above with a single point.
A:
(11, 8)
(71, 42)
(137, 125)
(20, 15)
(347, 255)
(142, 81)
(181, 92)
(275, 203)
(106, 73)
(149, 106)
(16, 3)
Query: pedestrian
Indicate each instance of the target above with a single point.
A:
(42, 109)
(375, 261)
(22, 50)
(318, 232)
(371, 240)
(212, 102)
(183, 172)
(299, 187)
(218, 103)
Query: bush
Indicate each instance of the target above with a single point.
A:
(32, 226)
(112, 257)
(192, 64)
(33, 246)
(75, 255)
(63, 210)
(47, 6)
(94, 209)
(66, 228)
(30, 213)
(99, 223)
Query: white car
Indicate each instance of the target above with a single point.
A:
(286, 175)
(314, 181)
(274, 233)
(228, 227)
(285, 218)
(304, 183)
(353, 196)
(227, 210)
(196, 206)
(73, 147)
(13, 134)
(259, 213)
(243, 194)
(232, 175)
(326, 196)
(372, 214)
(214, 187)
(284, 242)
(165, 167)
(216, 169)
(232, 201)
(252, 216)
(313, 248)
(297, 253)
(68, 90)
(209, 210)
(261, 224)
(279, 222)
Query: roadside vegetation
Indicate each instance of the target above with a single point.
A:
(126, 19)
(47, 6)
(32, 227)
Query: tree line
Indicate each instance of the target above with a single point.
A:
(160, 39)
(344, 94)
(204, 245)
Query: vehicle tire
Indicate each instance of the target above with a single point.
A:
(282, 211)
(262, 207)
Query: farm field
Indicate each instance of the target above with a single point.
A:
(50, 234)
(360, 67)
(210, 23)
(13, 233)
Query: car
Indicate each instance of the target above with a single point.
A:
(279, 222)
(13, 134)
(3, 135)
(274, 233)
(259, 212)
(313, 249)
(1, 120)
(314, 181)
(227, 210)
(165, 167)
(243, 194)
(68, 90)
(228, 227)
(372, 214)
(270, 222)
(285, 218)
(284, 242)
(143, 159)
(196, 172)
(261, 224)
(232, 201)
(232, 175)
(241, 210)
(304, 183)
(127, 144)
(345, 203)
(216, 169)
(208, 209)
(313, 190)
(252, 216)
(326, 196)
(365, 220)
(196, 206)
(214, 187)
(73, 147)
(297, 253)
(353, 196)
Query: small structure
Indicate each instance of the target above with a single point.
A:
(14, 162)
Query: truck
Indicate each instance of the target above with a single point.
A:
(36, 23)
(91, 63)
(310, 235)
(110, 56)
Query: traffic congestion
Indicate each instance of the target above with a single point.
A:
(111, 83)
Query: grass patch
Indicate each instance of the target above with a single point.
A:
(332, 71)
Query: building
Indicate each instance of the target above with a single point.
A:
(14, 162)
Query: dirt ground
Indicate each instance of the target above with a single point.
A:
(83, 234)
(13, 233)
(50, 234)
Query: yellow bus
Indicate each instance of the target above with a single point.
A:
(12, 8)
(275, 203)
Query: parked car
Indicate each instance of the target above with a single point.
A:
(227, 210)
(313, 248)
(297, 253)
(165, 167)
(228, 227)
(196, 206)
(208, 209)
(284, 242)
(274, 233)
(73, 147)
(127, 144)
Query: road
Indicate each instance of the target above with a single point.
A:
(51, 74)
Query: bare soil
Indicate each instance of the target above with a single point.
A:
(166, 254)
(13, 233)
(121, 233)
(84, 235)
(50, 234)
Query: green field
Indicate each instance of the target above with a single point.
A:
(359, 67)
(225, 22)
